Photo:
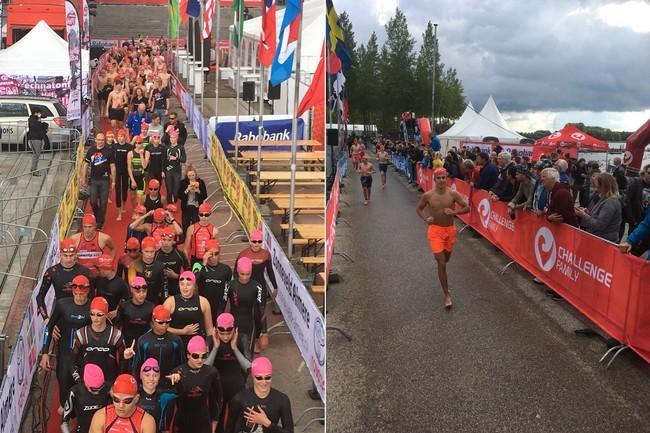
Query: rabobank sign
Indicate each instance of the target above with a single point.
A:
(274, 130)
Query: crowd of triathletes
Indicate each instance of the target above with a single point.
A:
(607, 202)
(145, 336)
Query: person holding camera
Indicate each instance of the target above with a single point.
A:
(36, 136)
(192, 192)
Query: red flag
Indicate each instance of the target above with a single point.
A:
(183, 9)
(208, 14)
(316, 92)
(267, 36)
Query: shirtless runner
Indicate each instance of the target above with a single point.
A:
(384, 159)
(115, 104)
(442, 231)
(366, 169)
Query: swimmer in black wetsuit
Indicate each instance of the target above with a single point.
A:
(262, 407)
(213, 277)
(232, 360)
(85, 399)
(152, 271)
(158, 403)
(69, 314)
(110, 285)
(199, 391)
(135, 314)
(246, 299)
(172, 259)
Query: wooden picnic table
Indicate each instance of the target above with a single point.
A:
(311, 234)
(278, 143)
(299, 204)
(270, 155)
(271, 178)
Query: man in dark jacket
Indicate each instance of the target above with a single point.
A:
(36, 135)
(489, 173)
(637, 203)
(179, 126)
(560, 208)
(504, 188)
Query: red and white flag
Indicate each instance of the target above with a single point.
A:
(267, 36)
(208, 15)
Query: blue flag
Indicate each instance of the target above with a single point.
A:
(194, 8)
(287, 42)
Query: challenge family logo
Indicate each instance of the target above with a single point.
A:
(627, 157)
(545, 249)
(484, 212)
(578, 136)
(319, 341)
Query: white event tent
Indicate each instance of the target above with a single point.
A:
(487, 123)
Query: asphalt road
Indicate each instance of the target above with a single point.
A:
(504, 359)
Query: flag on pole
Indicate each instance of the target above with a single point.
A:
(208, 15)
(336, 38)
(267, 36)
(183, 10)
(174, 16)
(238, 11)
(337, 97)
(194, 8)
(316, 92)
(287, 42)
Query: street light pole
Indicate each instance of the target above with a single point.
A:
(433, 83)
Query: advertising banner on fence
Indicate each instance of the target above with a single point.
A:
(330, 222)
(74, 49)
(52, 87)
(300, 313)
(248, 131)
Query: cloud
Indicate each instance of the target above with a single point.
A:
(534, 56)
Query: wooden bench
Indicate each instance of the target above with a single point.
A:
(318, 260)
(320, 289)
(303, 211)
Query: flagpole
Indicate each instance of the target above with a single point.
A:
(237, 83)
(217, 57)
(202, 54)
(260, 130)
(294, 136)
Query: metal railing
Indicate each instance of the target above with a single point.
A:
(13, 138)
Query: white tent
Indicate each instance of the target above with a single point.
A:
(482, 127)
(468, 115)
(492, 113)
(40, 53)
(312, 37)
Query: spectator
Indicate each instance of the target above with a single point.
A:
(467, 170)
(579, 175)
(435, 141)
(135, 120)
(637, 203)
(540, 194)
(524, 195)
(192, 192)
(603, 219)
(489, 172)
(562, 166)
(452, 166)
(36, 136)
(560, 207)
(618, 171)
(640, 236)
(437, 161)
(504, 188)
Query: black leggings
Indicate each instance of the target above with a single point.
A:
(122, 183)
(190, 216)
(64, 369)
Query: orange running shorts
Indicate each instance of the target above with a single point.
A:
(441, 238)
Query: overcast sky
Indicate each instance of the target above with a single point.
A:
(545, 62)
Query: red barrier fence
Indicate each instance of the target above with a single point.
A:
(611, 288)
(330, 222)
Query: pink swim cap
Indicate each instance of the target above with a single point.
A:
(93, 376)
(138, 282)
(225, 320)
(244, 264)
(261, 365)
(189, 275)
(257, 235)
(150, 362)
(197, 345)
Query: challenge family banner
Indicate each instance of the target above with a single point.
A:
(330, 222)
(300, 313)
(248, 131)
(608, 287)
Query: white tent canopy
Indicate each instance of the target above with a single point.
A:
(487, 123)
(492, 113)
(312, 37)
(468, 115)
(41, 53)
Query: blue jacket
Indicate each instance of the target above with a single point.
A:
(134, 122)
(642, 231)
(488, 177)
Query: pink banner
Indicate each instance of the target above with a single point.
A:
(53, 87)
(330, 222)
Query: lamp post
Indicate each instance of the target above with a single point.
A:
(433, 83)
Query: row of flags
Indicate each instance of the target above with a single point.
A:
(338, 61)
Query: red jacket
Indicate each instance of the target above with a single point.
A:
(561, 202)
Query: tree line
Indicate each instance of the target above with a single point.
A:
(598, 132)
(386, 81)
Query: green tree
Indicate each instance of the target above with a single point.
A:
(427, 57)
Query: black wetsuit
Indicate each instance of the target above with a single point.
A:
(60, 278)
(262, 262)
(167, 349)
(211, 281)
(134, 320)
(199, 399)
(247, 305)
(122, 180)
(276, 405)
(156, 162)
(115, 291)
(177, 262)
(160, 405)
(151, 204)
(154, 275)
(82, 405)
(187, 312)
(233, 375)
(104, 349)
(69, 317)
